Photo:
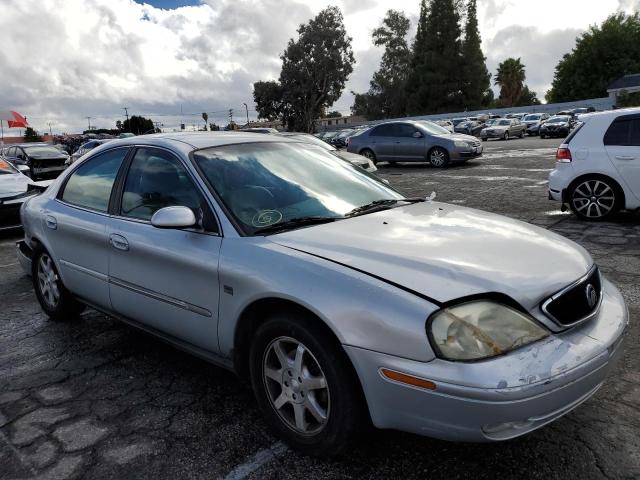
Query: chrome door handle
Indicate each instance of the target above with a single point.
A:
(119, 242)
(51, 222)
(624, 157)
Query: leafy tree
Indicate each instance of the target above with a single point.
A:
(119, 125)
(205, 117)
(626, 99)
(434, 84)
(315, 68)
(213, 127)
(138, 125)
(601, 55)
(528, 97)
(386, 96)
(30, 135)
(475, 76)
(334, 114)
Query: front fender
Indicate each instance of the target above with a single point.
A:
(361, 310)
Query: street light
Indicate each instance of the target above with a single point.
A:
(247, 110)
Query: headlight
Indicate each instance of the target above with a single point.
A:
(481, 329)
(461, 144)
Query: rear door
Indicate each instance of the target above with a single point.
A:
(622, 143)
(382, 141)
(407, 147)
(76, 223)
(166, 279)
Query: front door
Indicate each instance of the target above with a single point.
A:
(76, 222)
(407, 146)
(622, 142)
(166, 279)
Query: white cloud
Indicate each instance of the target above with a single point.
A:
(78, 58)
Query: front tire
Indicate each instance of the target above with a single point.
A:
(594, 198)
(305, 385)
(506, 136)
(438, 157)
(56, 301)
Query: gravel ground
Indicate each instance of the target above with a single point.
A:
(96, 399)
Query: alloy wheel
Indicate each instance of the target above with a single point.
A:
(506, 135)
(437, 158)
(48, 281)
(296, 386)
(593, 199)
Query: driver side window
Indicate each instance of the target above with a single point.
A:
(156, 179)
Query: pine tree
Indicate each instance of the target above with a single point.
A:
(414, 92)
(434, 84)
(476, 78)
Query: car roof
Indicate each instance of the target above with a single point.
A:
(197, 140)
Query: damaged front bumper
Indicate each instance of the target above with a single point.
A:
(500, 398)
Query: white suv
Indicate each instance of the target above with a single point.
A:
(598, 166)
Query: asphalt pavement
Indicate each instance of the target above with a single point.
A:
(96, 399)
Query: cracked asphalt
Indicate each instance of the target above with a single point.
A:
(96, 399)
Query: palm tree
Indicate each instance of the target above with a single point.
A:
(205, 117)
(510, 77)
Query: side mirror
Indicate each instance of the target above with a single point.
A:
(23, 168)
(417, 134)
(173, 217)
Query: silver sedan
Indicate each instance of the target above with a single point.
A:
(339, 299)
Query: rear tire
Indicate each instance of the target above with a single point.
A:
(56, 301)
(522, 134)
(595, 198)
(305, 384)
(438, 157)
(368, 153)
(543, 136)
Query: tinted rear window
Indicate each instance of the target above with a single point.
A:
(618, 133)
(383, 131)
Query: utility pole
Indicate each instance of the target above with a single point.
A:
(50, 132)
(231, 115)
(89, 122)
(247, 110)
(126, 112)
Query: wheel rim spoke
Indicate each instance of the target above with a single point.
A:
(295, 384)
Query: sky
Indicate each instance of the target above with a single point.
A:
(64, 60)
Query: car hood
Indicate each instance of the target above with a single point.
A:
(445, 252)
(458, 136)
(13, 184)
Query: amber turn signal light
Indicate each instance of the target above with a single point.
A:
(408, 379)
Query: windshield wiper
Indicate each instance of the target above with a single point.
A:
(295, 223)
(378, 205)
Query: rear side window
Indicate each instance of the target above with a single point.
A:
(383, 131)
(619, 133)
(90, 184)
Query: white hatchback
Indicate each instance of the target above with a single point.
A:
(598, 165)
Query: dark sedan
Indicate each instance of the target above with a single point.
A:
(469, 128)
(558, 126)
(44, 161)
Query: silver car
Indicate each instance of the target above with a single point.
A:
(414, 141)
(15, 188)
(340, 300)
